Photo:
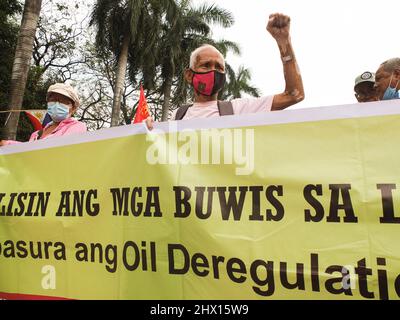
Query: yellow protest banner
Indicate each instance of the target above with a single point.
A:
(300, 204)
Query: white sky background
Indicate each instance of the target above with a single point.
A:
(334, 41)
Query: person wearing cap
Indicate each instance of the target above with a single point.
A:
(387, 82)
(364, 87)
(62, 103)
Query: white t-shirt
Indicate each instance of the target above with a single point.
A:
(240, 106)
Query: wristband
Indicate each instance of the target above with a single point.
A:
(287, 59)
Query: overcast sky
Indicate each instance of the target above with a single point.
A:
(334, 41)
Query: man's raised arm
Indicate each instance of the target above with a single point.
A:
(279, 28)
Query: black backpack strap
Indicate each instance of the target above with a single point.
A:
(181, 113)
(225, 108)
(40, 133)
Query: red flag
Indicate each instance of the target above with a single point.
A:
(142, 111)
(37, 125)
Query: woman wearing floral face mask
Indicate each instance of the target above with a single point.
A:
(62, 103)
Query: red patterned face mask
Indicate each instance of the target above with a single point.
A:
(208, 83)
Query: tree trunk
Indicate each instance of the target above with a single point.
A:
(120, 82)
(22, 60)
(167, 98)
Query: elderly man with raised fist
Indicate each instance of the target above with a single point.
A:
(207, 75)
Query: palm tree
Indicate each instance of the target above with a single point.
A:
(190, 30)
(125, 26)
(238, 83)
(23, 56)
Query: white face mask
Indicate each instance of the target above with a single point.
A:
(58, 111)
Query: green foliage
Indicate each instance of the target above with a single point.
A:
(8, 40)
(237, 84)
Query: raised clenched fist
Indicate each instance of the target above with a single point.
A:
(279, 26)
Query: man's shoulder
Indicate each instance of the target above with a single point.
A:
(252, 104)
(251, 99)
(182, 108)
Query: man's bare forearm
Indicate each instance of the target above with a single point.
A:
(294, 83)
(279, 27)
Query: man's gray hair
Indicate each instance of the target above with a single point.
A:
(195, 54)
(391, 65)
